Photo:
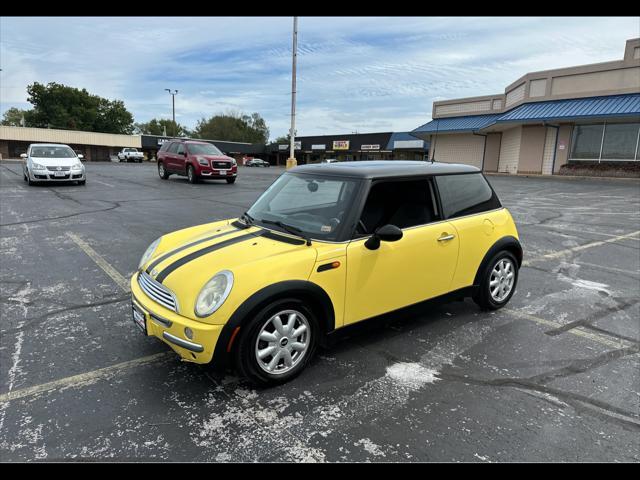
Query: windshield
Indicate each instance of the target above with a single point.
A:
(52, 152)
(316, 205)
(203, 149)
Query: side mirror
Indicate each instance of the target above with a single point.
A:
(184, 153)
(80, 156)
(386, 233)
(23, 155)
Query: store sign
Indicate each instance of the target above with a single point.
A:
(341, 144)
(296, 146)
(318, 147)
(408, 144)
(370, 147)
(162, 140)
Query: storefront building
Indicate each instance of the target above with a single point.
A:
(351, 147)
(544, 120)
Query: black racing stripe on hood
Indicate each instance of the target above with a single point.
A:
(199, 253)
(162, 258)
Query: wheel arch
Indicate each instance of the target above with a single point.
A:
(309, 292)
(508, 243)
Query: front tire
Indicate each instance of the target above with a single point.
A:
(82, 182)
(277, 343)
(498, 282)
(191, 175)
(162, 171)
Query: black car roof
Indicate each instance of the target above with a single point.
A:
(384, 168)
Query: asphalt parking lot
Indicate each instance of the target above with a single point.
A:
(552, 377)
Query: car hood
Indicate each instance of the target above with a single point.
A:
(249, 253)
(55, 162)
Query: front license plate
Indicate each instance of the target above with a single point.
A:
(139, 320)
(59, 174)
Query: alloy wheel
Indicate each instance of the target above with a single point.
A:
(282, 342)
(501, 280)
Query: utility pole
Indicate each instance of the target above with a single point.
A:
(291, 162)
(173, 103)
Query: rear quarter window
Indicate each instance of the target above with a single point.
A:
(466, 194)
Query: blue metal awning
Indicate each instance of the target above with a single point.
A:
(468, 123)
(610, 106)
(620, 106)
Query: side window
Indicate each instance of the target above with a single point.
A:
(180, 149)
(401, 203)
(466, 194)
(173, 148)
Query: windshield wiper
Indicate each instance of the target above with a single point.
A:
(289, 228)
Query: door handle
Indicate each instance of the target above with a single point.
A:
(445, 238)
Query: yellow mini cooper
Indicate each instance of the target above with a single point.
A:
(324, 247)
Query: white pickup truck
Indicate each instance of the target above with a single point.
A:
(130, 155)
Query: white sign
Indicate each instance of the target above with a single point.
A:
(369, 147)
(318, 147)
(408, 144)
(296, 146)
(162, 140)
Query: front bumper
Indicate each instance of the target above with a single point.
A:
(168, 326)
(49, 176)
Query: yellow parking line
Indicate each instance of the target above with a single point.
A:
(561, 253)
(578, 331)
(83, 378)
(101, 262)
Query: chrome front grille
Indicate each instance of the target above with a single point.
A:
(157, 292)
(62, 169)
(221, 165)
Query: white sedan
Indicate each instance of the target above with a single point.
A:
(52, 162)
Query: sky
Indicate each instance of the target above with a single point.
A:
(369, 74)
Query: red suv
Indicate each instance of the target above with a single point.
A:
(196, 160)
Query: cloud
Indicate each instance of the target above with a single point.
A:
(365, 74)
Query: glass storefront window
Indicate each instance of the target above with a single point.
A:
(620, 141)
(586, 142)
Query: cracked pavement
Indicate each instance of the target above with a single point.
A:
(553, 377)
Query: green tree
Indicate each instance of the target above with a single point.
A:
(233, 127)
(61, 106)
(14, 116)
(283, 139)
(157, 127)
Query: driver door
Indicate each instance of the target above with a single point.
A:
(419, 266)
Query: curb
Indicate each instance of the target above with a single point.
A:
(562, 177)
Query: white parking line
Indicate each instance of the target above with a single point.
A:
(103, 183)
(83, 378)
(562, 253)
(101, 262)
(578, 331)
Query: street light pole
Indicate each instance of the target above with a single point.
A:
(173, 104)
(292, 133)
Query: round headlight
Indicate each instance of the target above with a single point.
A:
(214, 293)
(149, 252)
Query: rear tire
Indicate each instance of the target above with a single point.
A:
(296, 350)
(231, 180)
(162, 172)
(498, 281)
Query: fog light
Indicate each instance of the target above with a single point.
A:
(188, 333)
